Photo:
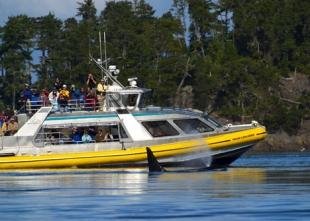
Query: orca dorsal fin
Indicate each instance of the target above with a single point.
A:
(153, 163)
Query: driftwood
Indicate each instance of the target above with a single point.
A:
(289, 100)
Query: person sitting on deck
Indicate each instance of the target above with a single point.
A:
(76, 136)
(100, 136)
(86, 138)
(104, 135)
(13, 126)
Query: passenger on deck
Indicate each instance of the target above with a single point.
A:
(104, 135)
(2, 118)
(75, 95)
(76, 136)
(91, 82)
(35, 100)
(63, 99)
(100, 136)
(44, 97)
(74, 92)
(86, 138)
(82, 97)
(53, 98)
(26, 96)
(51, 139)
(57, 84)
(101, 90)
(90, 101)
(12, 126)
(8, 113)
(5, 128)
(8, 125)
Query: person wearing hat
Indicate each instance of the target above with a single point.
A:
(63, 99)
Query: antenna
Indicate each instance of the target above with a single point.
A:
(106, 71)
(105, 51)
(100, 52)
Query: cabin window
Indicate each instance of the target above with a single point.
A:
(193, 126)
(129, 99)
(212, 121)
(80, 134)
(146, 99)
(160, 128)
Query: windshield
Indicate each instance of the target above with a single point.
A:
(129, 99)
(212, 121)
(146, 99)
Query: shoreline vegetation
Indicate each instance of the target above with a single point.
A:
(243, 60)
(283, 142)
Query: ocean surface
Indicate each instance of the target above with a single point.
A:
(255, 187)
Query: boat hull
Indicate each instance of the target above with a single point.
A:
(217, 150)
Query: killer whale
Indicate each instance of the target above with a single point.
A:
(155, 167)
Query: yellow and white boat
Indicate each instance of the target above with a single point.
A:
(175, 136)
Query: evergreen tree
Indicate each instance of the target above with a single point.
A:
(73, 53)
(48, 39)
(204, 24)
(16, 56)
(88, 34)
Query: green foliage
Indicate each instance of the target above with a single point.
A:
(232, 54)
(15, 54)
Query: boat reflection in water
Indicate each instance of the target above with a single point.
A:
(94, 181)
(128, 181)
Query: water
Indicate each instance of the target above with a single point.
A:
(262, 187)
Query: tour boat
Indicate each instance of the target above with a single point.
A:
(176, 136)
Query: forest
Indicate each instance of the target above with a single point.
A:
(240, 60)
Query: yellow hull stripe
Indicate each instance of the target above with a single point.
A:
(231, 139)
(138, 154)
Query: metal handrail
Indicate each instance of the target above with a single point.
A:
(73, 105)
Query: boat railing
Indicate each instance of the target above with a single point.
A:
(72, 105)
